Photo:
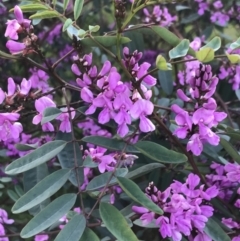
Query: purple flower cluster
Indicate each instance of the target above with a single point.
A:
(226, 178)
(218, 13)
(3, 221)
(185, 209)
(196, 125)
(159, 16)
(16, 27)
(117, 100)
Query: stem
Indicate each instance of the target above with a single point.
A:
(74, 149)
(61, 59)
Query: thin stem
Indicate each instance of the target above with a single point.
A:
(74, 149)
(61, 59)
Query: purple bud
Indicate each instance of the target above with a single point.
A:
(18, 14)
(181, 95)
(141, 210)
(154, 198)
(75, 69)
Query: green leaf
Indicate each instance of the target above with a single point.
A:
(73, 230)
(230, 150)
(30, 179)
(166, 81)
(13, 195)
(214, 231)
(88, 162)
(235, 45)
(106, 41)
(205, 55)
(109, 143)
(143, 170)
(100, 181)
(93, 29)
(233, 58)
(89, 235)
(50, 114)
(19, 190)
(116, 223)
(49, 215)
(134, 192)
(31, 7)
(45, 14)
(139, 223)
(162, 64)
(180, 50)
(67, 158)
(159, 153)
(65, 4)
(26, 147)
(67, 23)
(214, 44)
(36, 157)
(43, 190)
(170, 37)
(77, 8)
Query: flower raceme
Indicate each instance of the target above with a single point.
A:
(196, 124)
(184, 206)
(117, 100)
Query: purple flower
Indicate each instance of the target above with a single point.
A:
(140, 109)
(25, 87)
(41, 237)
(12, 29)
(15, 47)
(41, 104)
(65, 125)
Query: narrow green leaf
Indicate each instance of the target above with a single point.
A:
(77, 8)
(19, 190)
(73, 230)
(230, 150)
(45, 14)
(100, 181)
(169, 37)
(26, 147)
(116, 223)
(4, 55)
(43, 190)
(67, 158)
(36, 157)
(67, 23)
(50, 114)
(143, 170)
(106, 41)
(30, 179)
(214, 44)
(139, 223)
(65, 4)
(110, 144)
(49, 215)
(13, 195)
(89, 235)
(180, 50)
(31, 7)
(134, 192)
(235, 45)
(93, 29)
(214, 231)
(205, 55)
(159, 153)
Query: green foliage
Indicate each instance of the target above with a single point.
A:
(78, 5)
(49, 215)
(45, 14)
(43, 190)
(205, 55)
(180, 50)
(159, 153)
(116, 223)
(36, 157)
(49, 114)
(135, 193)
(73, 230)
